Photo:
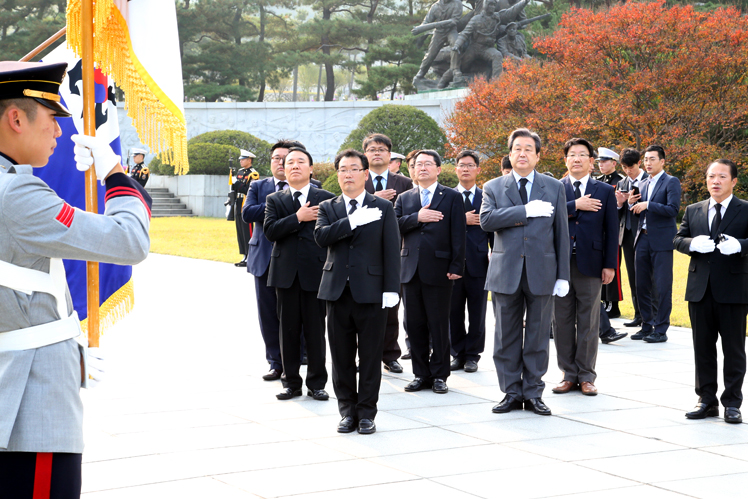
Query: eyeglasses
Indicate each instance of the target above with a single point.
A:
(467, 165)
(380, 150)
(580, 156)
(277, 158)
(427, 164)
(352, 171)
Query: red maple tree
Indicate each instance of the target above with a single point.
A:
(629, 76)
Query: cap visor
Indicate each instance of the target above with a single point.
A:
(59, 109)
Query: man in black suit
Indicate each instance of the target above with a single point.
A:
(657, 205)
(295, 271)
(715, 234)
(258, 258)
(432, 222)
(629, 222)
(468, 345)
(382, 183)
(593, 239)
(361, 279)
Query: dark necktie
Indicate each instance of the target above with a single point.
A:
(716, 221)
(523, 190)
(353, 206)
(577, 192)
(468, 205)
(296, 202)
(282, 185)
(379, 186)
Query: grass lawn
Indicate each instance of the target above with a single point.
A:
(215, 239)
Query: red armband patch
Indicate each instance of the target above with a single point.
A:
(65, 217)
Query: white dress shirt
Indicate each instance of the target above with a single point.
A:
(530, 179)
(359, 201)
(374, 176)
(462, 190)
(713, 210)
(304, 193)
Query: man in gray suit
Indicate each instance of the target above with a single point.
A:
(529, 265)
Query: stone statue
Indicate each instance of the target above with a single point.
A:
(512, 45)
(443, 17)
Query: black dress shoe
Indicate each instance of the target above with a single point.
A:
(406, 356)
(471, 366)
(417, 385)
(439, 386)
(347, 425)
(656, 338)
(612, 336)
(508, 404)
(614, 313)
(537, 406)
(243, 263)
(640, 334)
(366, 426)
(272, 375)
(732, 415)
(456, 364)
(318, 394)
(635, 323)
(702, 411)
(393, 366)
(289, 393)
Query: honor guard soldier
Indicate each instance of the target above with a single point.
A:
(140, 172)
(612, 293)
(42, 366)
(244, 176)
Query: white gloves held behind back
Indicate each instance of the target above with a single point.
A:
(92, 150)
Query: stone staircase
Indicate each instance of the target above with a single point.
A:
(166, 205)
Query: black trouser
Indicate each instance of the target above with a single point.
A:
(427, 316)
(710, 319)
(242, 227)
(267, 310)
(27, 475)
(468, 345)
(654, 285)
(355, 326)
(297, 308)
(391, 348)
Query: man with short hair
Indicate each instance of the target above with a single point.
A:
(629, 221)
(506, 166)
(139, 171)
(470, 290)
(410, 159)
(295, 271)
(431, 218)
(396, 159)
(657, 205)
(384, 184)
(714, 233)
(593, 239)
(41, 363)
(258, 257)
(361, 278)
(239, 190)
(529, 265)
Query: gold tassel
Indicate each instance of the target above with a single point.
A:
(115, 308)
(159, 122)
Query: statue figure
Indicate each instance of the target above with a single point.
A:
(513, 44)
(443, 17)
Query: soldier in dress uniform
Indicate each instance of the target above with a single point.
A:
(611, 293)
(244, 176)
(140, 172)
(396, 159)
(42, 366)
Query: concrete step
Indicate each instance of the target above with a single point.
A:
(172, 213)
(165, 204)
(162, 195)
(171, 206)
(166, 200)
(151, 190)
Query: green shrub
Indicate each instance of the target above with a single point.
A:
(332, 185)
(448, 177)
(408, 128)
(323, 171)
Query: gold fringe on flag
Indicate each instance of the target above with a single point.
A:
(115, 308)
(159, 122)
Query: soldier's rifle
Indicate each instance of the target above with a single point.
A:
(435, 25)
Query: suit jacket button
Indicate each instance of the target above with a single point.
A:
(300, 239)
(521, 256)
(346, 266)
(577, 223)
(351, 246)
(525, 239)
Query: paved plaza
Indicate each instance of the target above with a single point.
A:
(184, 413)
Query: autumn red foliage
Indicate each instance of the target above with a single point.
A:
(629, 76)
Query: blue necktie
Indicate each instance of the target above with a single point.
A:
(425, 197)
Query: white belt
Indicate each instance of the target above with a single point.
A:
(33, 281)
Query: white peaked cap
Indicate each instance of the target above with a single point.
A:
(243, 154)
(605, 153)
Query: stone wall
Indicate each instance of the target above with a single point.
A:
(203, 194)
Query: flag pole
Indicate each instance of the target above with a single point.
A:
(89, 128)
(49, 41)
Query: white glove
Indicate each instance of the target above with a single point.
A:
(729, 246)
(96, 366)
(561, 288)
(538, 208)
(701, 244)
(389, 300)
(363, 216)
(92, 150)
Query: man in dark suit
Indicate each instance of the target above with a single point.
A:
(258, 259)
(468, 345)
(295, 271)
(431, 218)
(657, 205)
(361, 279)
(382, 183)
(717, 289)
(593, 240)
(629, 222)
(529, 265)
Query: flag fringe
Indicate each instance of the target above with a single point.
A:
(159, 122)
(115, 308)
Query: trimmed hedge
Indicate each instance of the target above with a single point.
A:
(323, 171)
(407, 127)
(448, 176)
(332, 185)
